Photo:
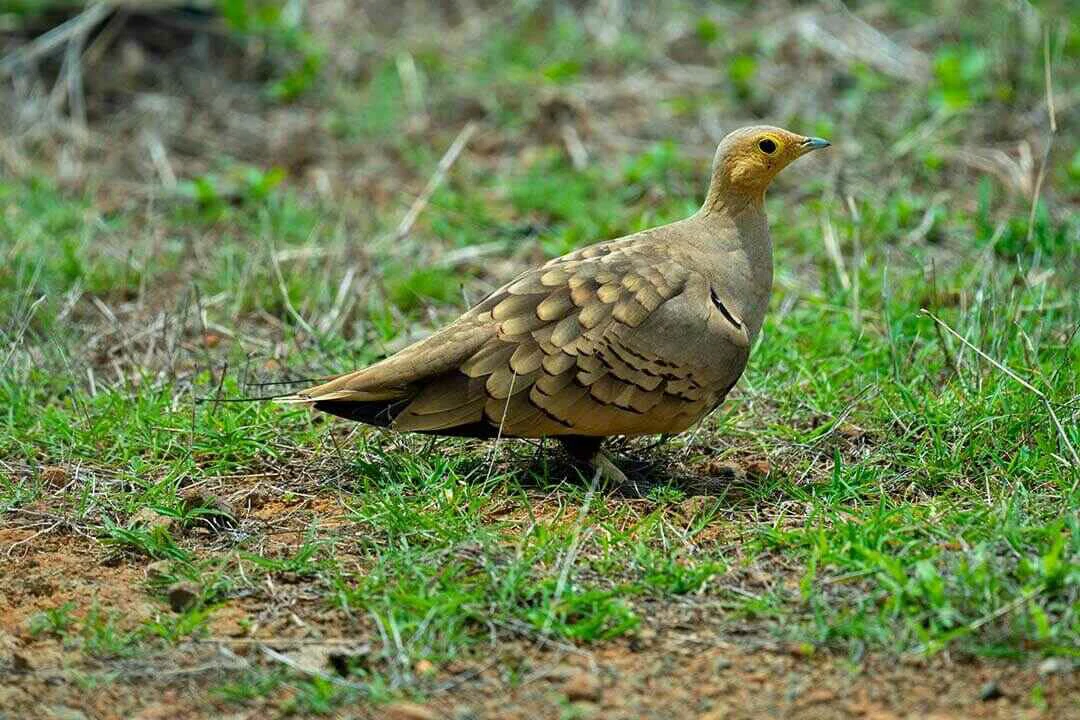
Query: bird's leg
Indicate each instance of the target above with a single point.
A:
(586, 450)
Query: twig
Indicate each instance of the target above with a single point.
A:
(886, 297)
(436, 180)
(35, 536)
(927, 222)
(285, 298)
(502, 421)
(104, 39)
(328, 321)
(44, 44)
(856, 261)
(353, 644)
(73, 79)
(828, 234)
(159, 157)
(1049, 141)
(156, 672)
(846, 37)
(311, 672)
(579, 156)
(1024, 383)
(470, 253)
(411, 82)
(1049, 81)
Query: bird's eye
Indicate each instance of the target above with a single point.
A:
(767, 145)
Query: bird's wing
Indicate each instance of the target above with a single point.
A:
(618, 338)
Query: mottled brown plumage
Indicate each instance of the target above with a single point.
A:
(639, 335)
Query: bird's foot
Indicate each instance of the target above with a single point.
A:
(633, 484)
(587, 454)
(606, 469)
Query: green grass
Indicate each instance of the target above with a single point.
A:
(921, 496)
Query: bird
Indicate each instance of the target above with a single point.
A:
(644, 334)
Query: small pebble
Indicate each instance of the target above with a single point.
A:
(560, 672)
(583, 686)
(726, 469)
(20, 663)
(990, 691)
(63, 712)
(1054, 665)
(158, 570)
(149, 519)
(408, 711)
(642, 639)
(757, 469)
(183, 596)
(55, 476)
(215, 512)
(345, 662)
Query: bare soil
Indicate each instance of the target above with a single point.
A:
(674, 666)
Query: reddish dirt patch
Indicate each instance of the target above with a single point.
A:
(658, 682)
(686, 662)
(681, 679)
(43, 572)
(47, 571)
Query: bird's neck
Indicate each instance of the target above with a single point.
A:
(737, 222)
(726, 197)
(737, 235)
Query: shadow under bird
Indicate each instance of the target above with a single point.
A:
(640, 335)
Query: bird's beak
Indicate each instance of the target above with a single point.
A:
(813, 143)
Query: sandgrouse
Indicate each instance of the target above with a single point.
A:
(640, 335)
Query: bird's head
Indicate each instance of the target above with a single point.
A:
(748, 159)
